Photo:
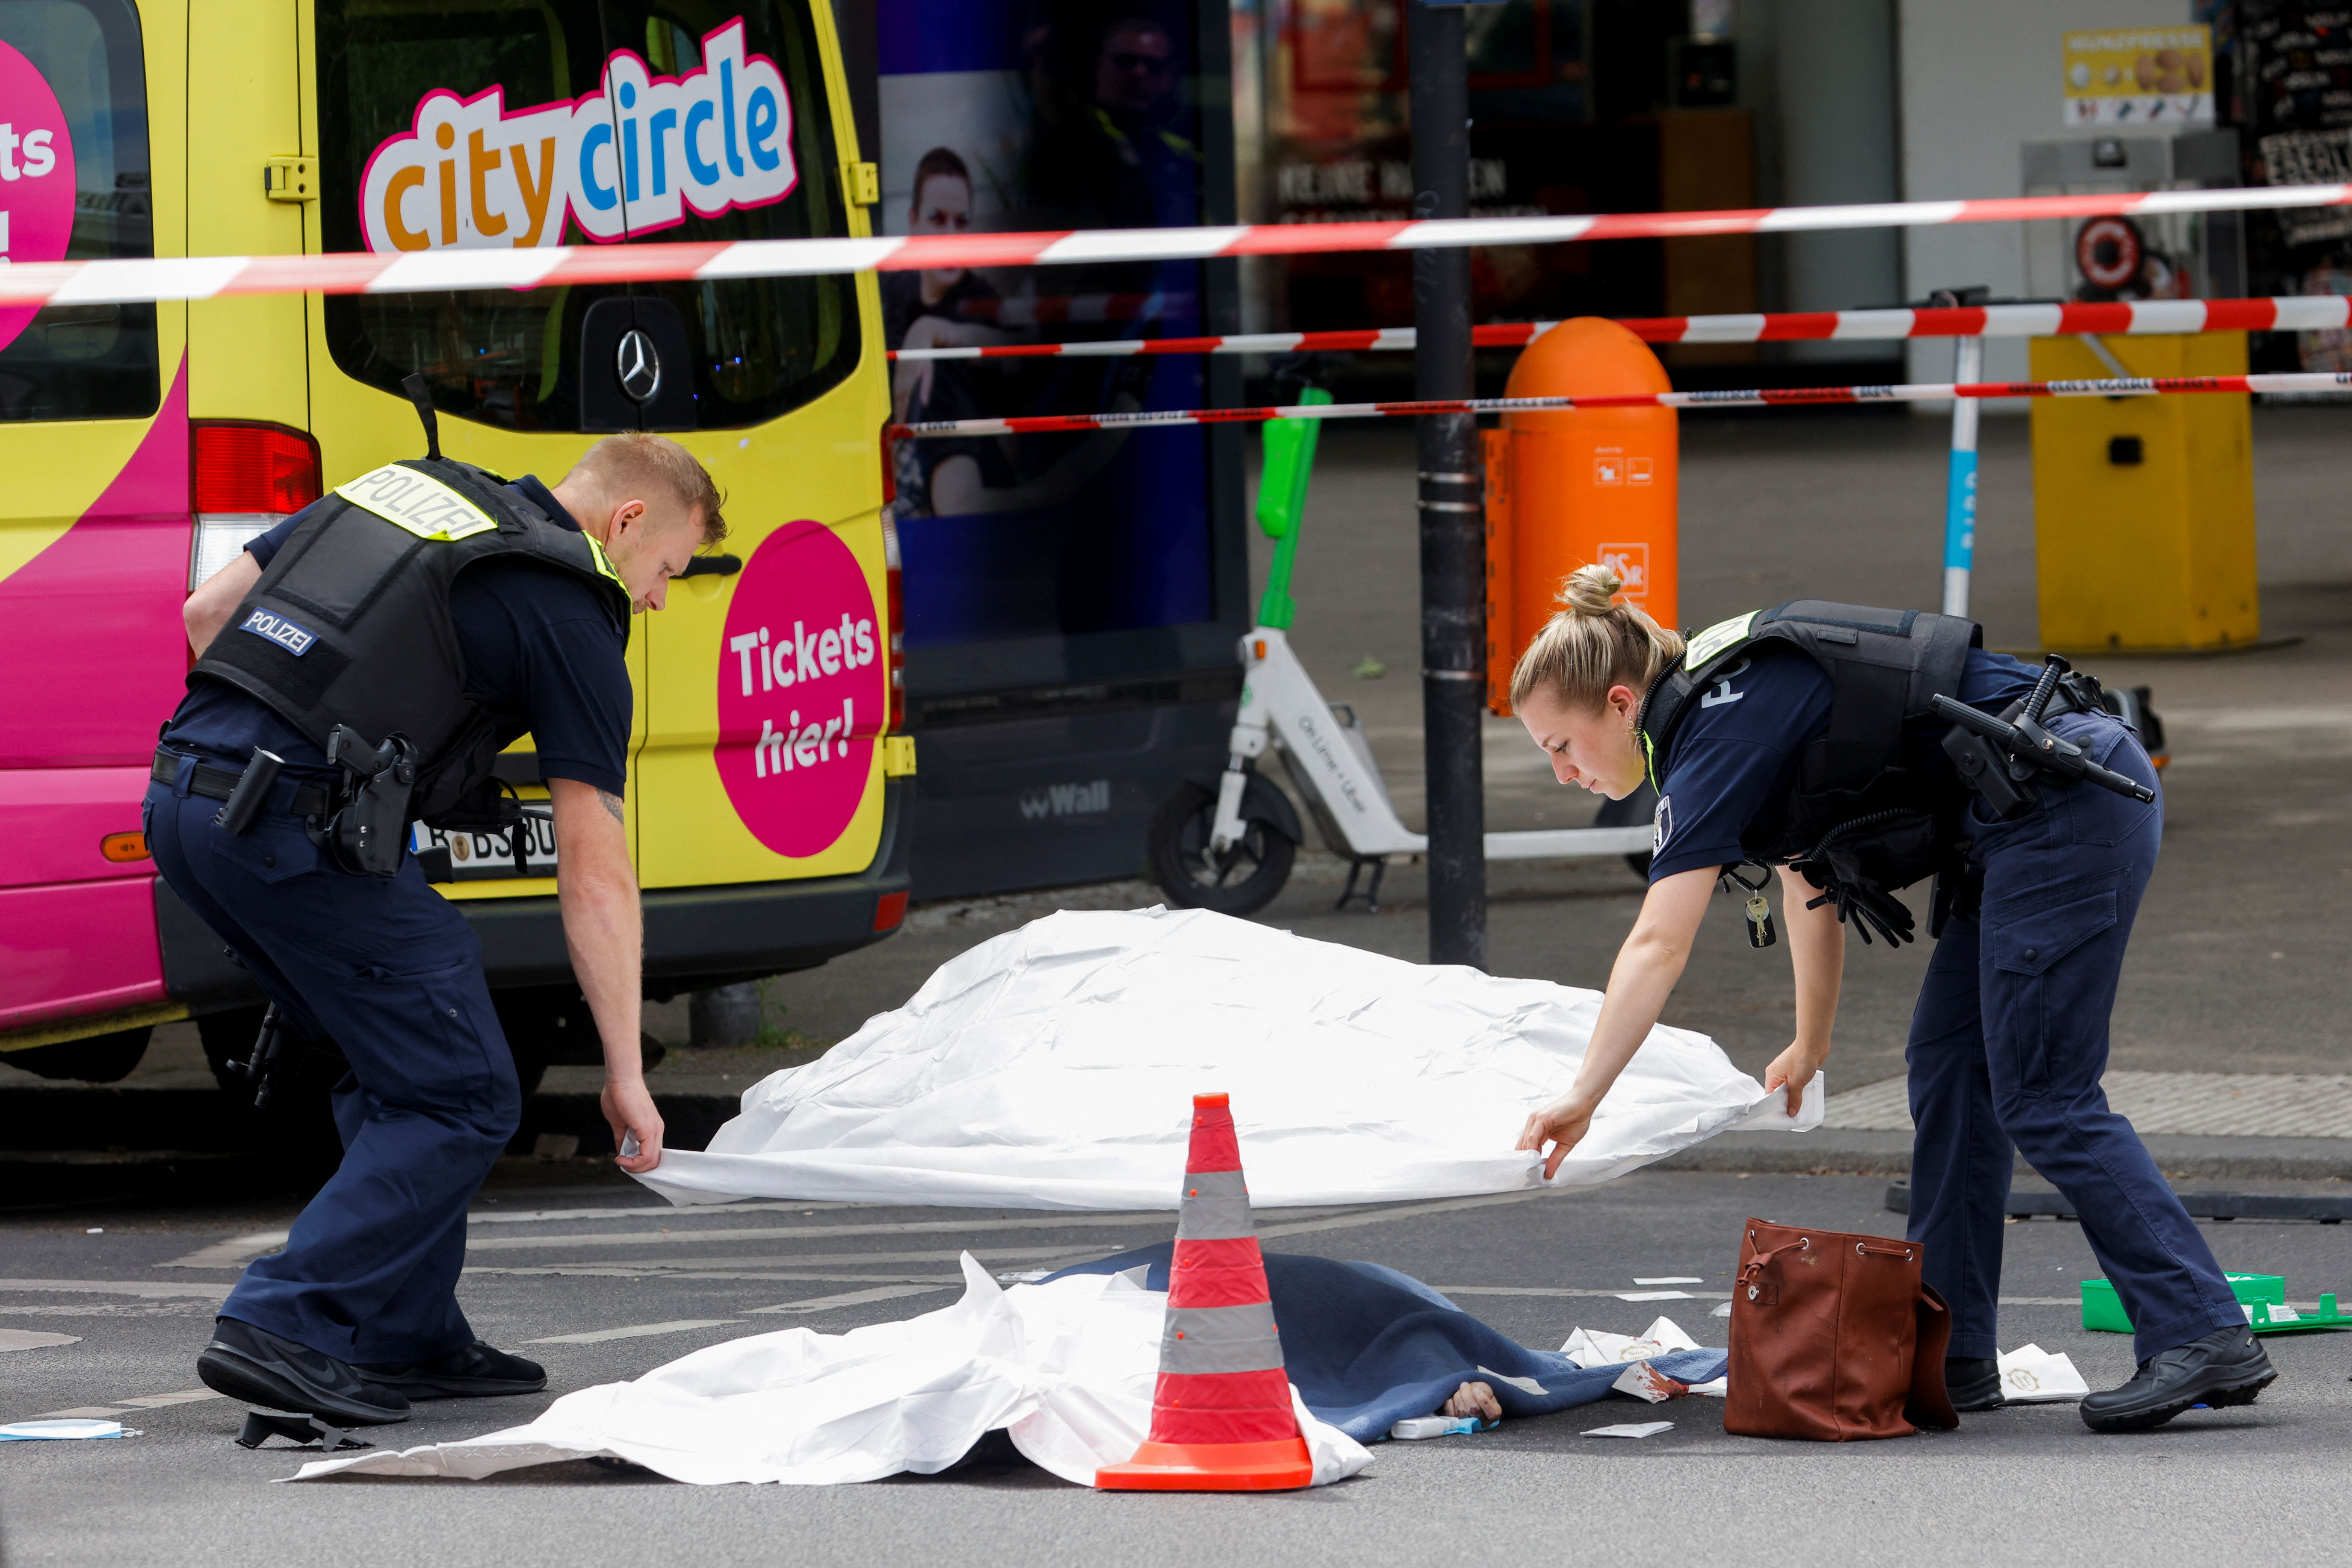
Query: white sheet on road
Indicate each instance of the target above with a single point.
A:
(1052, 1066)
(1068, 1367)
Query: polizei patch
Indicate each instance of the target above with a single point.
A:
(417, 502)
(268, 624)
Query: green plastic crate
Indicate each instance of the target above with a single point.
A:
(2263, 1296)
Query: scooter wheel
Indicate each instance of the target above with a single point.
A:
(1241, 882)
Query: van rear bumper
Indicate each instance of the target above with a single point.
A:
(695, 937)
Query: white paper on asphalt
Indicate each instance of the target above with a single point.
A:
(1067, 1368)
(2032, 1376)
(1052, 1066)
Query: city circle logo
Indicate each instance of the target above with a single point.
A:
(642, 153)
(36, 176)
(802, 690)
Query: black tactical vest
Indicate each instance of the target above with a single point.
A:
(350, 624)
(1856, 819)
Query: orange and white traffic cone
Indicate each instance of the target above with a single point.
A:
(1221, 1416)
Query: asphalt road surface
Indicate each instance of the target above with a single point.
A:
(601, 1284)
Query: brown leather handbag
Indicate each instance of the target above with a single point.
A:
(1833, 1337)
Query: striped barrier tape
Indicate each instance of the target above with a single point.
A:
(2298, 313)
(1913, 392)
(130, 280)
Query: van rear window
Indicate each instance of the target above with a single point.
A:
(73, 187)
(459, 124)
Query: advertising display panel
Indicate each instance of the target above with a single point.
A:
(1071, 601)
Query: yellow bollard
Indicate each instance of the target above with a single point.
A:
(2144, 507)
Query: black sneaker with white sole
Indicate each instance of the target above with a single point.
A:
(1973, 1382)
(2223, 1368)
(478, 1372)
(274, 1371)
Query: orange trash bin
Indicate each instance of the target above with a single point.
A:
(1569, 487)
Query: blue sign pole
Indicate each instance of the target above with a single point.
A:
(1960, 491)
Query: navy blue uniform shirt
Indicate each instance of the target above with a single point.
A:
(1734, 758)
(541, 655)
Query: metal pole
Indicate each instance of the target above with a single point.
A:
(1961, 490)
(1453, 500)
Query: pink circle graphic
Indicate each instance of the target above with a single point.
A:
(803, 684)
(36, 178)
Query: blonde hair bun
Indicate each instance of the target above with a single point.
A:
(1592, 644)
(1591, 590)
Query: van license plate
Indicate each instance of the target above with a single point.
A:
(476, 855)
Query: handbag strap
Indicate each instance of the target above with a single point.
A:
(1748, 1271)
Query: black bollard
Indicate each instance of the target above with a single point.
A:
(1453, 500)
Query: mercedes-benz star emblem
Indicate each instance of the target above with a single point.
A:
(638, 366)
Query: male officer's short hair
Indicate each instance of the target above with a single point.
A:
(639, 458)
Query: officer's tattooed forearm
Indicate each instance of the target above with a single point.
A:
(612, 803)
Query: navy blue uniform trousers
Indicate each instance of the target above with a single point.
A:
(2009, 1045)
(390, 972)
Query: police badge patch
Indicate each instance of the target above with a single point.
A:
(1662, 826)
(271, 627)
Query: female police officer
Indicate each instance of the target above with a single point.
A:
(1803, 737)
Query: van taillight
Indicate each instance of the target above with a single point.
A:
(244, 479)
(894, 605)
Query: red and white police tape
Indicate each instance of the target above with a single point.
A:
(129, 280)
(1913, 392)
(2313, 312)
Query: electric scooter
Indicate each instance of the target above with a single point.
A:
(1228, 845)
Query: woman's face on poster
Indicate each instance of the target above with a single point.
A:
(942, 206)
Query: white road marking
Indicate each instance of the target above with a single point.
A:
(235, 1252)
(1349, 1220)
(826, 1260)
(154, 1291)
(858, 1298)
(648, 1211)
(625, 1271)
(1653, 1295)
(638, 1331)
(124, 1407)
(705, 1234)
(34, 1338)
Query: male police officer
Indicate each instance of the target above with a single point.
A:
(378, 649)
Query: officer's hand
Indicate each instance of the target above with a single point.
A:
(628, 1107)
(1795, 1067)
(1562, 1124)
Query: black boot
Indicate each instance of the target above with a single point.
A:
(475, 1373)
(2224, 1367)
(1973, 1382)
(271, 1370)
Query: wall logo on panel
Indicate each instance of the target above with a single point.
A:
(802, 690)
(36, 176)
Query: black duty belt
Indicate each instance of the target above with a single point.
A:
(219, 783)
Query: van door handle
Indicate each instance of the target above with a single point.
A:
(713, 566)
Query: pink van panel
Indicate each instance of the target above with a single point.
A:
(80, 947)
(90, 628)
(52, 818)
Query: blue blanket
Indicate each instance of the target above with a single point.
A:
(1368, 1346)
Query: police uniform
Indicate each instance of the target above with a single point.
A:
(429, 600)
(1803, 735)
